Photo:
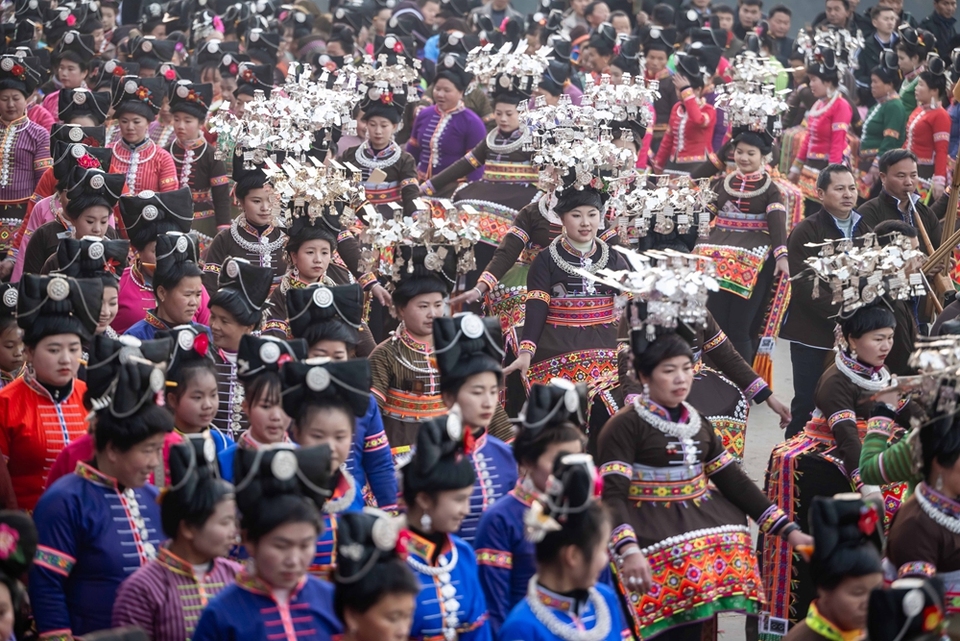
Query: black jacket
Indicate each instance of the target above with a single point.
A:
(945, 29)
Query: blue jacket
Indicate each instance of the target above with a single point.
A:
(372, 451)
(522, 625)
(496, 472)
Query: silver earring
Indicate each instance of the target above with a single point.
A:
(939, 484)
(646, 391)
(853, 354)
(295, 272)
(426, 522)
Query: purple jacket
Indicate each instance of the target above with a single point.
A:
(441, 138)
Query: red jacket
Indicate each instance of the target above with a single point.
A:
(827, 125)
(928, 137)
(689, 138)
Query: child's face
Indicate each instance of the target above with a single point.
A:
(109, 18)
(198, 404)
(258, 206)
(11, 349)
(725, 20)
(186, 127)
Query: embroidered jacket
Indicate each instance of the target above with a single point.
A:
(496, 471)
(136, 298)
(400, 184)
(928, 136)
(370, 462)
(146, 329)
(92, 536)
(248, 610)
(230, 420)
(431, 616)
(146, 166)
(82, 449)
(24, 156)
(884, 128)
(438, 139)
(826, 131)
(165, 599)
(207, 177)
(34, 427)
(163, 135)
(243, 240)
(523, 624)
(325, 560)
(505, 558)
(689, 136)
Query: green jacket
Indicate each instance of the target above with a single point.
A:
(884, 128)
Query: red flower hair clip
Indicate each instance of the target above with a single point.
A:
(88, 162)
(233, 68)
(248, 74)
(170, 74)
(868, 520)
(119, 72)
(398, 47)
(18, 71)
(403, 543)
(143, 93)
(71, 20)
(201, 343)
(90, 141)
(111, 266)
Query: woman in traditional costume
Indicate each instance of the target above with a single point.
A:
(280, 491)
(11, 339)
(72, 59)
(663, 442)
(564, 600)
(688, 140)
(176, 285)
(468, 355)
(844, 566)
(928, 130)
(147, 167)
(437, 484)
(884, 128)
(100, 524)
(95, 258)
(912, 51)
(330, 321)
(235, 311)
(506, 558)
(166, 597)
(146, 218)
(43, 411)
(325, 400)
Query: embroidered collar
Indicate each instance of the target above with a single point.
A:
(89, 473)
(455, 110)
(857, 367)
(155, 321)
(407, 340)
(174, 563)
(425, 548)
(256, 585)
(31, 381)
(193, 144)
(138, 277)
(13, 124)
(375, 154)
(522, 493)
(244, 225)
(915, 73)
(135, 146)
(661, 411)
(943, 504)
(561, 602)
(893, 95)
(829, 631)
(570, 249)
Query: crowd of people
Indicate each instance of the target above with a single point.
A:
(433, 320)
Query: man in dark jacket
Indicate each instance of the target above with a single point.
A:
(943, 24)
(810, 323)
(884, 21)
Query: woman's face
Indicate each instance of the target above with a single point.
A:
(268, 421)
(872, 348)
(581, 223)
(616, 74)
(578, 6)
(133, 128)
(799, 71)
(540, 473)
(477, 398)
(92, 221)
(923, 92)
(446, 95)
(282, 556)
(878, 88)
(109, 308)
(848, 601)
(380, 131)
(817, 87)
(180, 303)
(418, 314)
(670, 381)
(334, 350)
(389, 619)
(226, 330)
(258, 206)
(327, 426)
(11, 349)
(219, 532)
(507, 116)
(186, 127)
(448, 510)
(748, 158)
(134, 467)
(56, 359)
(312, 259)
(70, 74)
(13, 104)
(196, 406)
(906, 63)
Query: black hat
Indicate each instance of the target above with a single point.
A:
(195, 485)
(352, 16)
(8, 295)
(689, 67)
(555, 77)
(93, 258)
(15, 73)
(301, 22)
(604, 38)
(708, 56)
(75, 43)
(87, 185)
(173, 250)
(888, 69)
(22, 539)
(150, 52)
(134, 387)
(658, 38)
(252, 78)
(107, 355)
(573, 486)
(140, 96)
(824, 64)
(918, 42)
(709, 37)
(213, 51)
(263, 46)
(30, 10)
(149, 214)
(257, 355)
(628, 57)
(230, 64)
(440, 460)
(466, 345)
(365, 540)
(190, 344)
(89, 136)
(408, 21)
(848, 535)
(175, 73)
(48, 305)
(192, 99)
(909, 610)
(104, 74)
(555, 404)
(319, 312)
(561, 48)
(57, 22)
(83, 102)
(68, 156)
(320, 379)
(690, 19)
(243, 289)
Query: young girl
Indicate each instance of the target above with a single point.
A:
(147, 167)
(72, 59)
(259, 362)
(92, 257)
(198, 514)
(563, 600)
(11, 336)
(176, 285)
(192, 393)
(505, 556)
(279, 493)
(324, 401)
(252, 235)
(146, 217)
(468, 354)
(197, 166)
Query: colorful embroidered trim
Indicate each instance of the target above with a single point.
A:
(54, 560)
(880, 425)
(839, 417)
(667, 492)
(57, 635)
(375, 442)
(381, 196)
(616, 468)
(755, 388)
(622, 534)
(712, 467)
(536, 294)
(737, 268)
(772, 520)
(519, 233)
(581, 311)
(714, 342)
(780, 251)
(409, 406)
(528, 346)
(510, 172)
(917, 568)
(495, 559)
(489, 280)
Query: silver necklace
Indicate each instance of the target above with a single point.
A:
(564, 630)
(868, 384)
(588, 263)
(262, 247)
(506, 148)
(373, 163)
(818, 111)
(445, 567)
(945, 521)
(744, 195)
(335, 506)
(448, 591)
(678, 430)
